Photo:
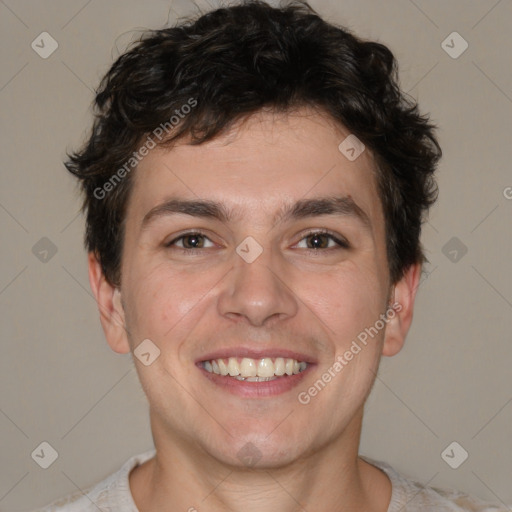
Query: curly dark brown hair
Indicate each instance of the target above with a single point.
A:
(231, 62)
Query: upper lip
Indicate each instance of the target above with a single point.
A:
(252, 353)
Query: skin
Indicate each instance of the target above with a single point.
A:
(288, 297)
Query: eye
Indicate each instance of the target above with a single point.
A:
(190, 241)
(320, 240)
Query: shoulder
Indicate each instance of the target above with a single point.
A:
(72, 503)
(411, 496)
(110, 494)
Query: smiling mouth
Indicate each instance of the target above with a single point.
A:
(254, 370)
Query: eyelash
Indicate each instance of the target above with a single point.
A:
(342, 243)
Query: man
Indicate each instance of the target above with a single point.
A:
(255, 184)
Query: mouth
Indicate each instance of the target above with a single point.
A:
(255, 377)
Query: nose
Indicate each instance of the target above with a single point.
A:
(257, 292)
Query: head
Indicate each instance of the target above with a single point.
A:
(229, 126)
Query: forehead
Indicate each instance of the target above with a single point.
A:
(257, 167)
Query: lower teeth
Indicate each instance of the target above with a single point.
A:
(254, 379)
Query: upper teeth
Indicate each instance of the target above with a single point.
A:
(246, 367)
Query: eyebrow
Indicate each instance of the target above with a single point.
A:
(303, 208)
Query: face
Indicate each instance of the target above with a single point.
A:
(259, 253)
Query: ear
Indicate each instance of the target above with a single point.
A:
(400, 311)
(108, 298)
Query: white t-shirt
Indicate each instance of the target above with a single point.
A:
(113, 494)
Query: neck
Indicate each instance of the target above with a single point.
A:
(182, 476)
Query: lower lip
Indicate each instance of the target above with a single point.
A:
(256, 389)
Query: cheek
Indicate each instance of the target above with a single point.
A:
(163, 303)
(346, 301)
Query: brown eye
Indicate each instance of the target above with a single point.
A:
(318, 241)
(189, 241)
(321, 240)
(193, 241)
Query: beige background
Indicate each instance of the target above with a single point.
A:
(60, 382)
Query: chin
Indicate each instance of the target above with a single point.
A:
(260, 450)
